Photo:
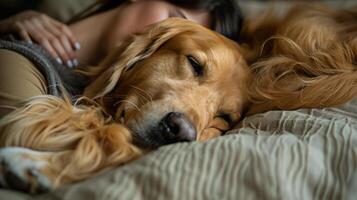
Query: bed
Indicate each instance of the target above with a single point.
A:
(302, 154)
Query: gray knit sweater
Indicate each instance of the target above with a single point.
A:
(58, 77)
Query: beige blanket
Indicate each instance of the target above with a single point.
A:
(304, 154)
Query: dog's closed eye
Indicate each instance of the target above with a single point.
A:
(196, 66)
(226, 117)
(221, 122)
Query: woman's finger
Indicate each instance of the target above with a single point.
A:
(44, 26)
(69, 49)
(39, 37)
(21, 30)
(62, 43)
(64, 29)
(57, 46)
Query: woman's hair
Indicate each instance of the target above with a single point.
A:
(226, 15)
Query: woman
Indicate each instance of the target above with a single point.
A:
(81, 41)
(88, 40)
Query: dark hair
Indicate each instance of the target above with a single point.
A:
(226, 15)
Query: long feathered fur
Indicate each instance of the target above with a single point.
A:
(307, 59)
(81, 136)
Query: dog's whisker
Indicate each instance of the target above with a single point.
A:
(115, 96)
(143, 98)
(144, 92)
(129, 102)
(141, 93)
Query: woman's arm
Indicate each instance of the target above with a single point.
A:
(51, 34)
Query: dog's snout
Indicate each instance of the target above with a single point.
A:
(176, 127)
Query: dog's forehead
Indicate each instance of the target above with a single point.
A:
(207, 43)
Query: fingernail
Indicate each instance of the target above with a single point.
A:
(77, 46)
(69, 64)
(29, 41)
(75, 62)
(59, 61)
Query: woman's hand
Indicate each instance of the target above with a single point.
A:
(52, 35)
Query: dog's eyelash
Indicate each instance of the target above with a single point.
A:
(196, 66)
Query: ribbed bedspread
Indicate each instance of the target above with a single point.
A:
(304, 154)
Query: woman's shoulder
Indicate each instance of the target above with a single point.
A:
(147, 10)
(137, 15)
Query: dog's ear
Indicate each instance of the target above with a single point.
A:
(138, 48)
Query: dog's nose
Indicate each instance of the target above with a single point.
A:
(176, 127)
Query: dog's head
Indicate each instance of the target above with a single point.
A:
(176, 82)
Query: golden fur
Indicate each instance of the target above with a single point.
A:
(307, 59)
(77, 141)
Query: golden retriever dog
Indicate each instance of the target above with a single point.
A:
(176, 82)
(180, 82)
